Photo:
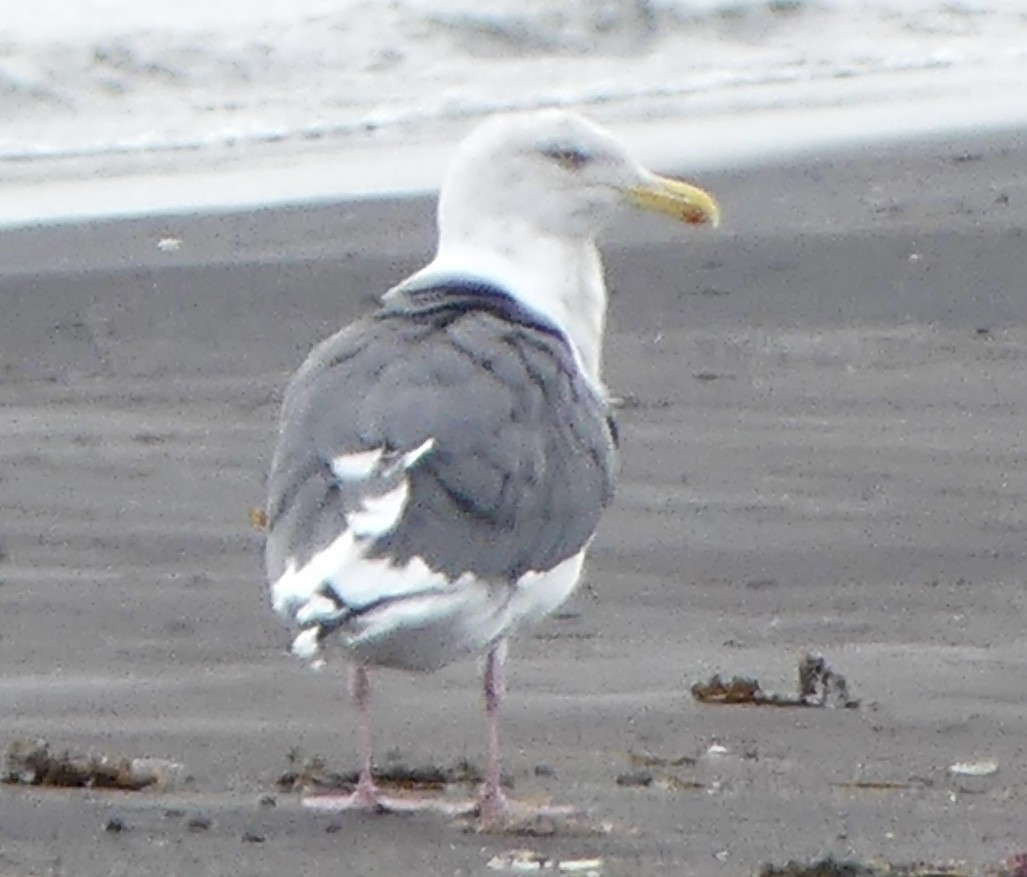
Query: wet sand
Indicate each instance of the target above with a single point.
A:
(824, 448)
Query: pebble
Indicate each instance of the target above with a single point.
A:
(198, 823)
(635, 778)
(115, 825)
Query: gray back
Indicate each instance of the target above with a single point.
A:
(523, 456)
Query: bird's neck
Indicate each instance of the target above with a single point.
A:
(559, 278)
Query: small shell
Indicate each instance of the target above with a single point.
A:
(588, 867)
(530, 862)
(519, 861)
(983, 767)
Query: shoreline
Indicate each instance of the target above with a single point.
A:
(769, 125)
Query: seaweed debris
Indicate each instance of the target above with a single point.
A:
(818, 686)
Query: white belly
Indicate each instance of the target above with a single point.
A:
(429, 630)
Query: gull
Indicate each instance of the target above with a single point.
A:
(443, 462)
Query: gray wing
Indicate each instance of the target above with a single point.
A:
(521, 457)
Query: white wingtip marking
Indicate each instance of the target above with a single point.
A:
(354, 467)
(306, 645)
(294, 594)
(299, 583)
(317, 609)
(284, 594)
(379, 514)
(361, 465)
(411, 457)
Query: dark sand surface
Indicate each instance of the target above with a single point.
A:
(826, 449)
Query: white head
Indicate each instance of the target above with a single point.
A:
(523, 201)
(551, 170)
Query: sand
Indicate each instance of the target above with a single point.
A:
(824, 448)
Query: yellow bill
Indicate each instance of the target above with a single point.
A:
(680, 200)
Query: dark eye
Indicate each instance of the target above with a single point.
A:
(567, 157)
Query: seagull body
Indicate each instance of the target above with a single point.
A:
(443, 463)
(442, 466)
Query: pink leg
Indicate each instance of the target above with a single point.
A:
(495, 811)
(493, 800)
(365, 796)
(366, 793)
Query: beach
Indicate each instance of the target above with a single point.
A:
(823, 448)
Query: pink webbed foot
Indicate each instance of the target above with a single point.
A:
(497, 814)
(361, 801)
(365, 797)
(491, 812)
(494, 812)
